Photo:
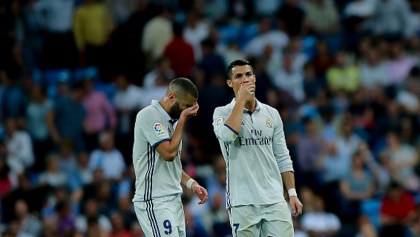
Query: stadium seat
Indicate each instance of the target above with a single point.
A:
(52, 77)
(89, 72)
(228, 33)
(247, 33)
(371, 208)
(108, 89)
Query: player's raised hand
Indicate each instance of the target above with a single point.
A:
(246, 91)
(190, 111)
(200, 192)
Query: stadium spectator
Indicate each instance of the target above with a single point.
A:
(92, 26)
(320, 222)
(66, 120)
(55, 18)
(36, 124)
(397, 211)
(157, 33)
(107, 158)
(19, 150)
(53, 176)
(29, 223)
(180, 53)
(100, 115)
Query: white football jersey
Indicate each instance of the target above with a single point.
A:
(255, 158)
(155, 177)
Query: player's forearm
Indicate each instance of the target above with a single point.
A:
(176, 138)
(235, 119)
(184, 178)
(288, 179)
(168, 150)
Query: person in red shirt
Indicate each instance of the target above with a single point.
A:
(180, 53)
(398, 210)
(118, 228)
(6, 185)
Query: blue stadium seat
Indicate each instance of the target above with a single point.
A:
(89, 72)
(52, 77)
(109, 89)
(308, 46)
(37, 76)
(247, 33)
(371, 208)
(228, 33)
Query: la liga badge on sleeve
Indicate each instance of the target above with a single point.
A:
(158, 128)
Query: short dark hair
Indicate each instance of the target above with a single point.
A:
(177, 28)
(182, 86)
(238, 62)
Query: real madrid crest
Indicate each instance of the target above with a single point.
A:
(268, 123)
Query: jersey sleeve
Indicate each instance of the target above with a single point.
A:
(223, 132)
(153, 128)
(280, 150)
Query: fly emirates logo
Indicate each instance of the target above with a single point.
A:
(256, 139)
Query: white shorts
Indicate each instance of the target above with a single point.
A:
(161, 217)
(273, 220)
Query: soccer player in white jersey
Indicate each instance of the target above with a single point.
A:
(258, 163)
(157, 163)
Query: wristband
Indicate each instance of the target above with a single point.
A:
(292, 192)
(189, 183)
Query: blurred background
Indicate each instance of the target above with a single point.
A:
(344, 75)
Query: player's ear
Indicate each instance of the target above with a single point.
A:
(229, 83)
(171, 97)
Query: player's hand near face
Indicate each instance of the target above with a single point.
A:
(200, 192)
(296, 205)
(190, 112)
(246, 91)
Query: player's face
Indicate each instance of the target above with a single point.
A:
(175, 111)
(241, 75)
(179, 106)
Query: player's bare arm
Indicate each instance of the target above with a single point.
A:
(296, 205)
(201, 192)
(169, 149)
(235, 119)
(245, 93)
(196, 188)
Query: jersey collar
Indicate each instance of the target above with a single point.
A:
(233, 102)
(161, 110)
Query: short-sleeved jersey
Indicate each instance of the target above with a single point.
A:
(155, 177)
(255, 158)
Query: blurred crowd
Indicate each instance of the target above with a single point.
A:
(344, 75)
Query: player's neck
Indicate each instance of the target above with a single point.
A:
(165, 105)
(251, 105)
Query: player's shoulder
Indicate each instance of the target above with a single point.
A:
(226, 106)
(267, 107)
(147, 111)
(220, 110)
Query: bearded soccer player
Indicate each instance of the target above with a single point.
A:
(157, 164)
